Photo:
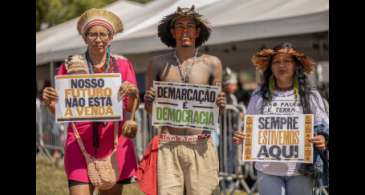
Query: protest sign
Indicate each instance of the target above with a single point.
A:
(278, 138)
(88, 97)
(184, 105)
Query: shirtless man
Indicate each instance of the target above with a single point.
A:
(189, 166)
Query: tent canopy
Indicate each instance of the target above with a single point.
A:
(232, 20)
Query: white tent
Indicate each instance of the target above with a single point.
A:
(232, 20)
(66, 29)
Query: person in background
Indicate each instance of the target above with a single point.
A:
(246, 86)
(230, 86)
(230, 122)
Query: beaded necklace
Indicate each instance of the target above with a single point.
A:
(97, 125)
(90, 64)
(185, 74)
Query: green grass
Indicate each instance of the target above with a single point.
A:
(51, 179)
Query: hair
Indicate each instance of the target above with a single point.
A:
(167, 23)
(304, 89)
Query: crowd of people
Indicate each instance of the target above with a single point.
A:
(185, 160)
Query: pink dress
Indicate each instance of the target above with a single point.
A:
(75, 164)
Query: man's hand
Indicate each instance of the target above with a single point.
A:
(149, 96)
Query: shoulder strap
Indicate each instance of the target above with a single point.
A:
(79, 141)
(82, 146)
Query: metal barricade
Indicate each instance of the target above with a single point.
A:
(234, 174)
(232, 170)
(50, 136)
(145, 131)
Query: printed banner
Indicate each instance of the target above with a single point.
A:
(88, 97)
(278, 138)
(184, 105)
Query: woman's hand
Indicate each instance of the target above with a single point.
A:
(128, 88)
(49, 96)
(239, 137)
(221, 101)
(319, 142)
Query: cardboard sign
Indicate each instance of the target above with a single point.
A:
(88, 97)
(278, 138)
(184, 105)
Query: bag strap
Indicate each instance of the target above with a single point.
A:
(116, 127)
(87, 156)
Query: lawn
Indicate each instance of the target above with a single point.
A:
(51, 180)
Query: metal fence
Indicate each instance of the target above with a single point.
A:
(234, 174)
(50, 136)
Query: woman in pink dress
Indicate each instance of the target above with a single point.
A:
(97, 27)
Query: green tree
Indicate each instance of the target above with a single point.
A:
(53, 12)
(142, 1)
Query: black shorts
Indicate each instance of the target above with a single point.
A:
(74, 183)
